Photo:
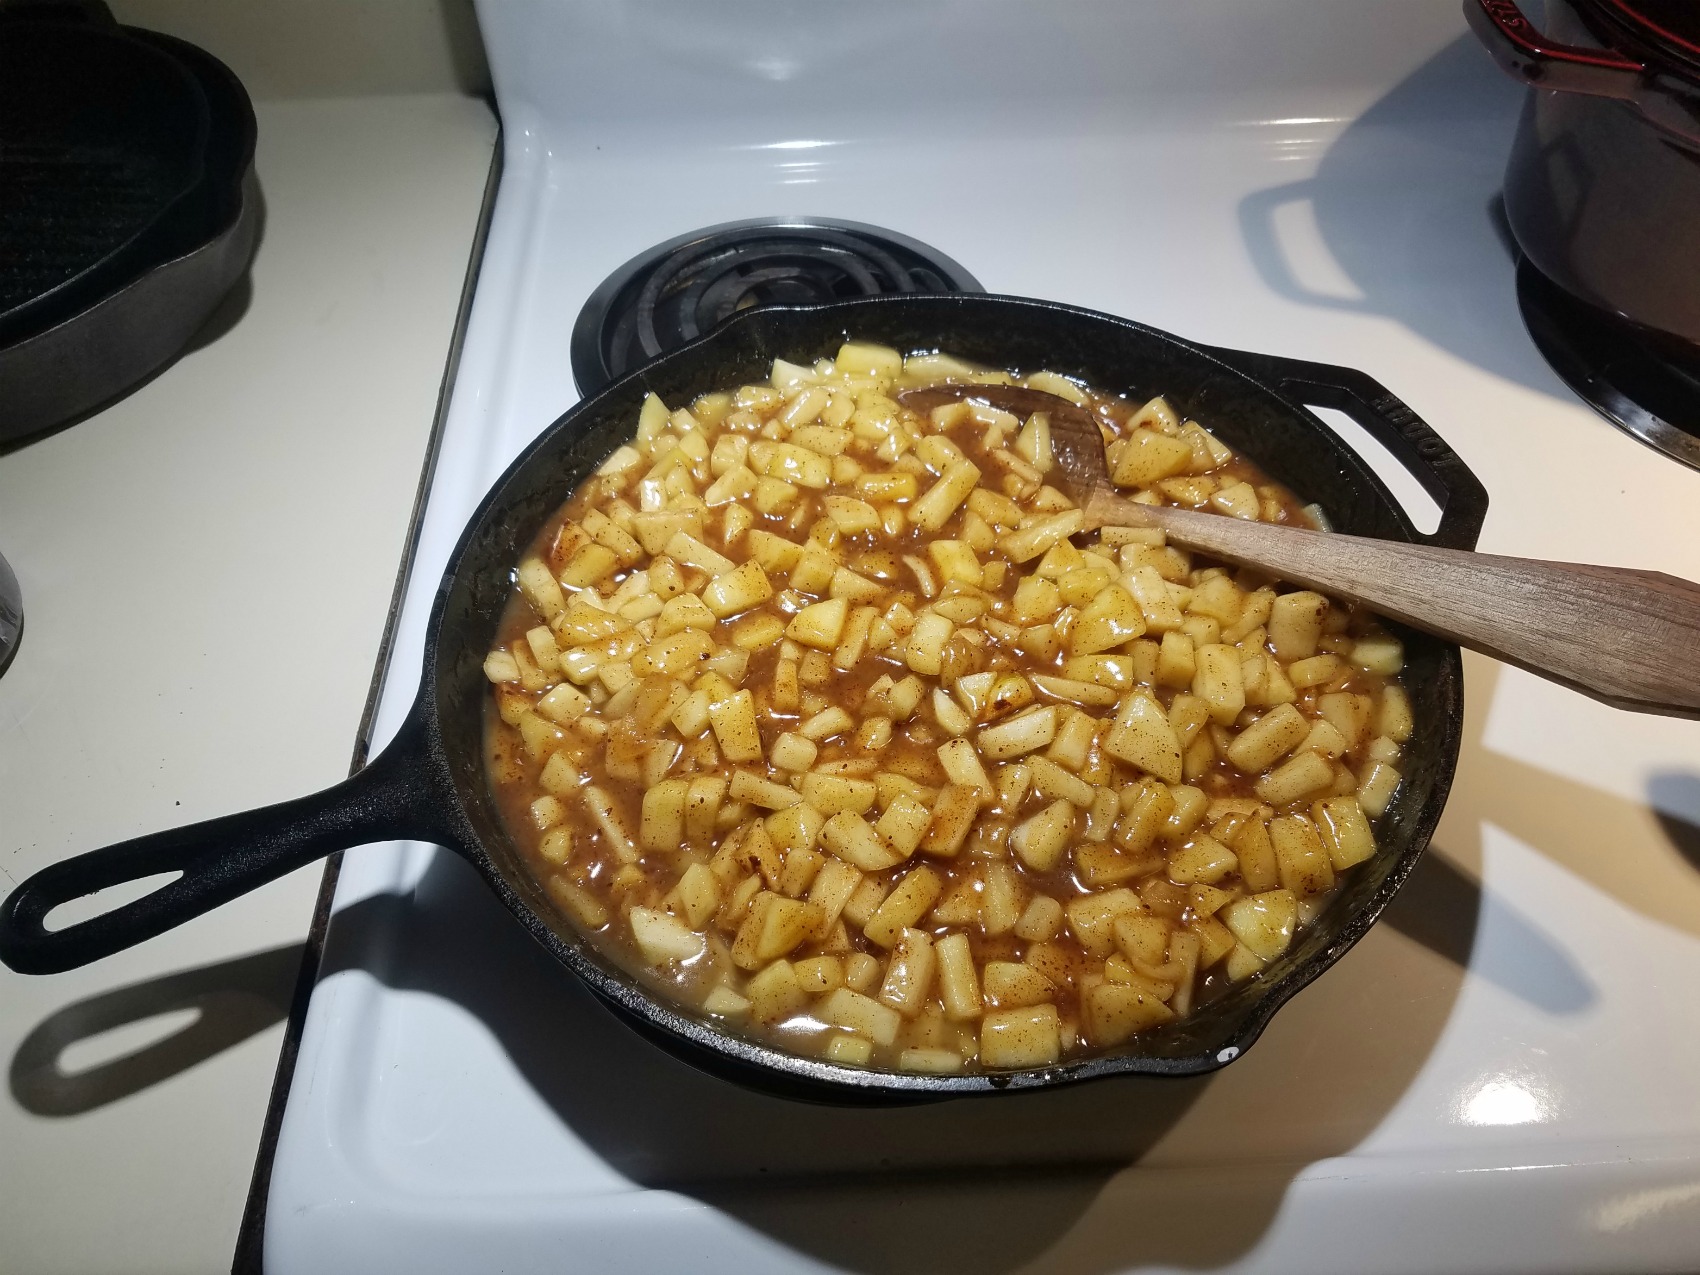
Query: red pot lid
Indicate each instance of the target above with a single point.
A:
(1670, 27)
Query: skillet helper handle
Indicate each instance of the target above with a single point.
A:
(219, 860)
(1625, 637)
(1425, 455)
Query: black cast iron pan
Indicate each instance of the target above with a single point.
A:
(127, 209)
(102, 138)
(429, 783)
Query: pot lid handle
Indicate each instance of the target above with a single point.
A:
(1525, 54)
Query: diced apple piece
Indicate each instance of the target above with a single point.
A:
(679, 654)
(735, 727)
(611, 823)
(944, 497)
(1267, 739)
(1242, 962)
(913, 897)
(736, 591)
(1295, 624)
(831, 890)
(820, 625)
(953, 817)
(1376, 788)
(662, 826)
(850, 837)
(663, 937)
(786, 923)
(1147, 457)
(962, 765)
(1107, 621)
(852, 1051)
(1220, 681)
(1013, 985)
(924, 648)
(1303, 776)
(539, 736)
(904, 824)
(775, 994)
(836, 794)
(1202, 860)
(1345, 832)
(1264, 922)
(956, 561)
(959, 985)
(1394, 718)
(865, 358)
(1112, 1012)
(1092, 917)
(1051, 780)
(723, 1002)
(1002, 900)
(1383, 654)
(1299, 854)
(1142, 736)
(1256, 854)
(861, 1014)
(792, 752)
(699, 895)
(1040, 920)
(540, 588)
(500, 666)
(1041, 840)
(826, 723)
(819, 975)
(1037, 537)
(1142, 937)
(1020, 734)
(1349, 713)
(909, 974)
(1021, 1038)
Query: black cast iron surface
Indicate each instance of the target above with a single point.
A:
(1646, 387)
(102, 138)
(120, 318)
(429, 783)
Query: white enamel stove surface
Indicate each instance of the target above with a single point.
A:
(1499, 1077)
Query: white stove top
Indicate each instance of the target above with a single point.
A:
(1497, 1078)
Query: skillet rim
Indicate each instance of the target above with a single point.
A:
(722, 1051)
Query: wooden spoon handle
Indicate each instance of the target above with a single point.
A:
(1629, 638)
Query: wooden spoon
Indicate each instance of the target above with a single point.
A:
(1629, 638)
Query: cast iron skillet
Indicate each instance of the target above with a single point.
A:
(103, 141)
(429, 783)
(101, 148)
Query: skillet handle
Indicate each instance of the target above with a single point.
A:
(1668, 100)
(395, 796)
(1462, 499)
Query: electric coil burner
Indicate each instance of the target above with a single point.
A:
(1645, 385)
(679, 290)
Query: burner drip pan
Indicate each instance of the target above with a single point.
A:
(677, 291)
(1646, 385)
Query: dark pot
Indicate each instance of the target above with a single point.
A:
(1603, 187)
(429, 783)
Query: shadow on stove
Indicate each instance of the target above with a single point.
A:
(229, 1001)
(1670, 791)
(1402, 200)
(863, 1188)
